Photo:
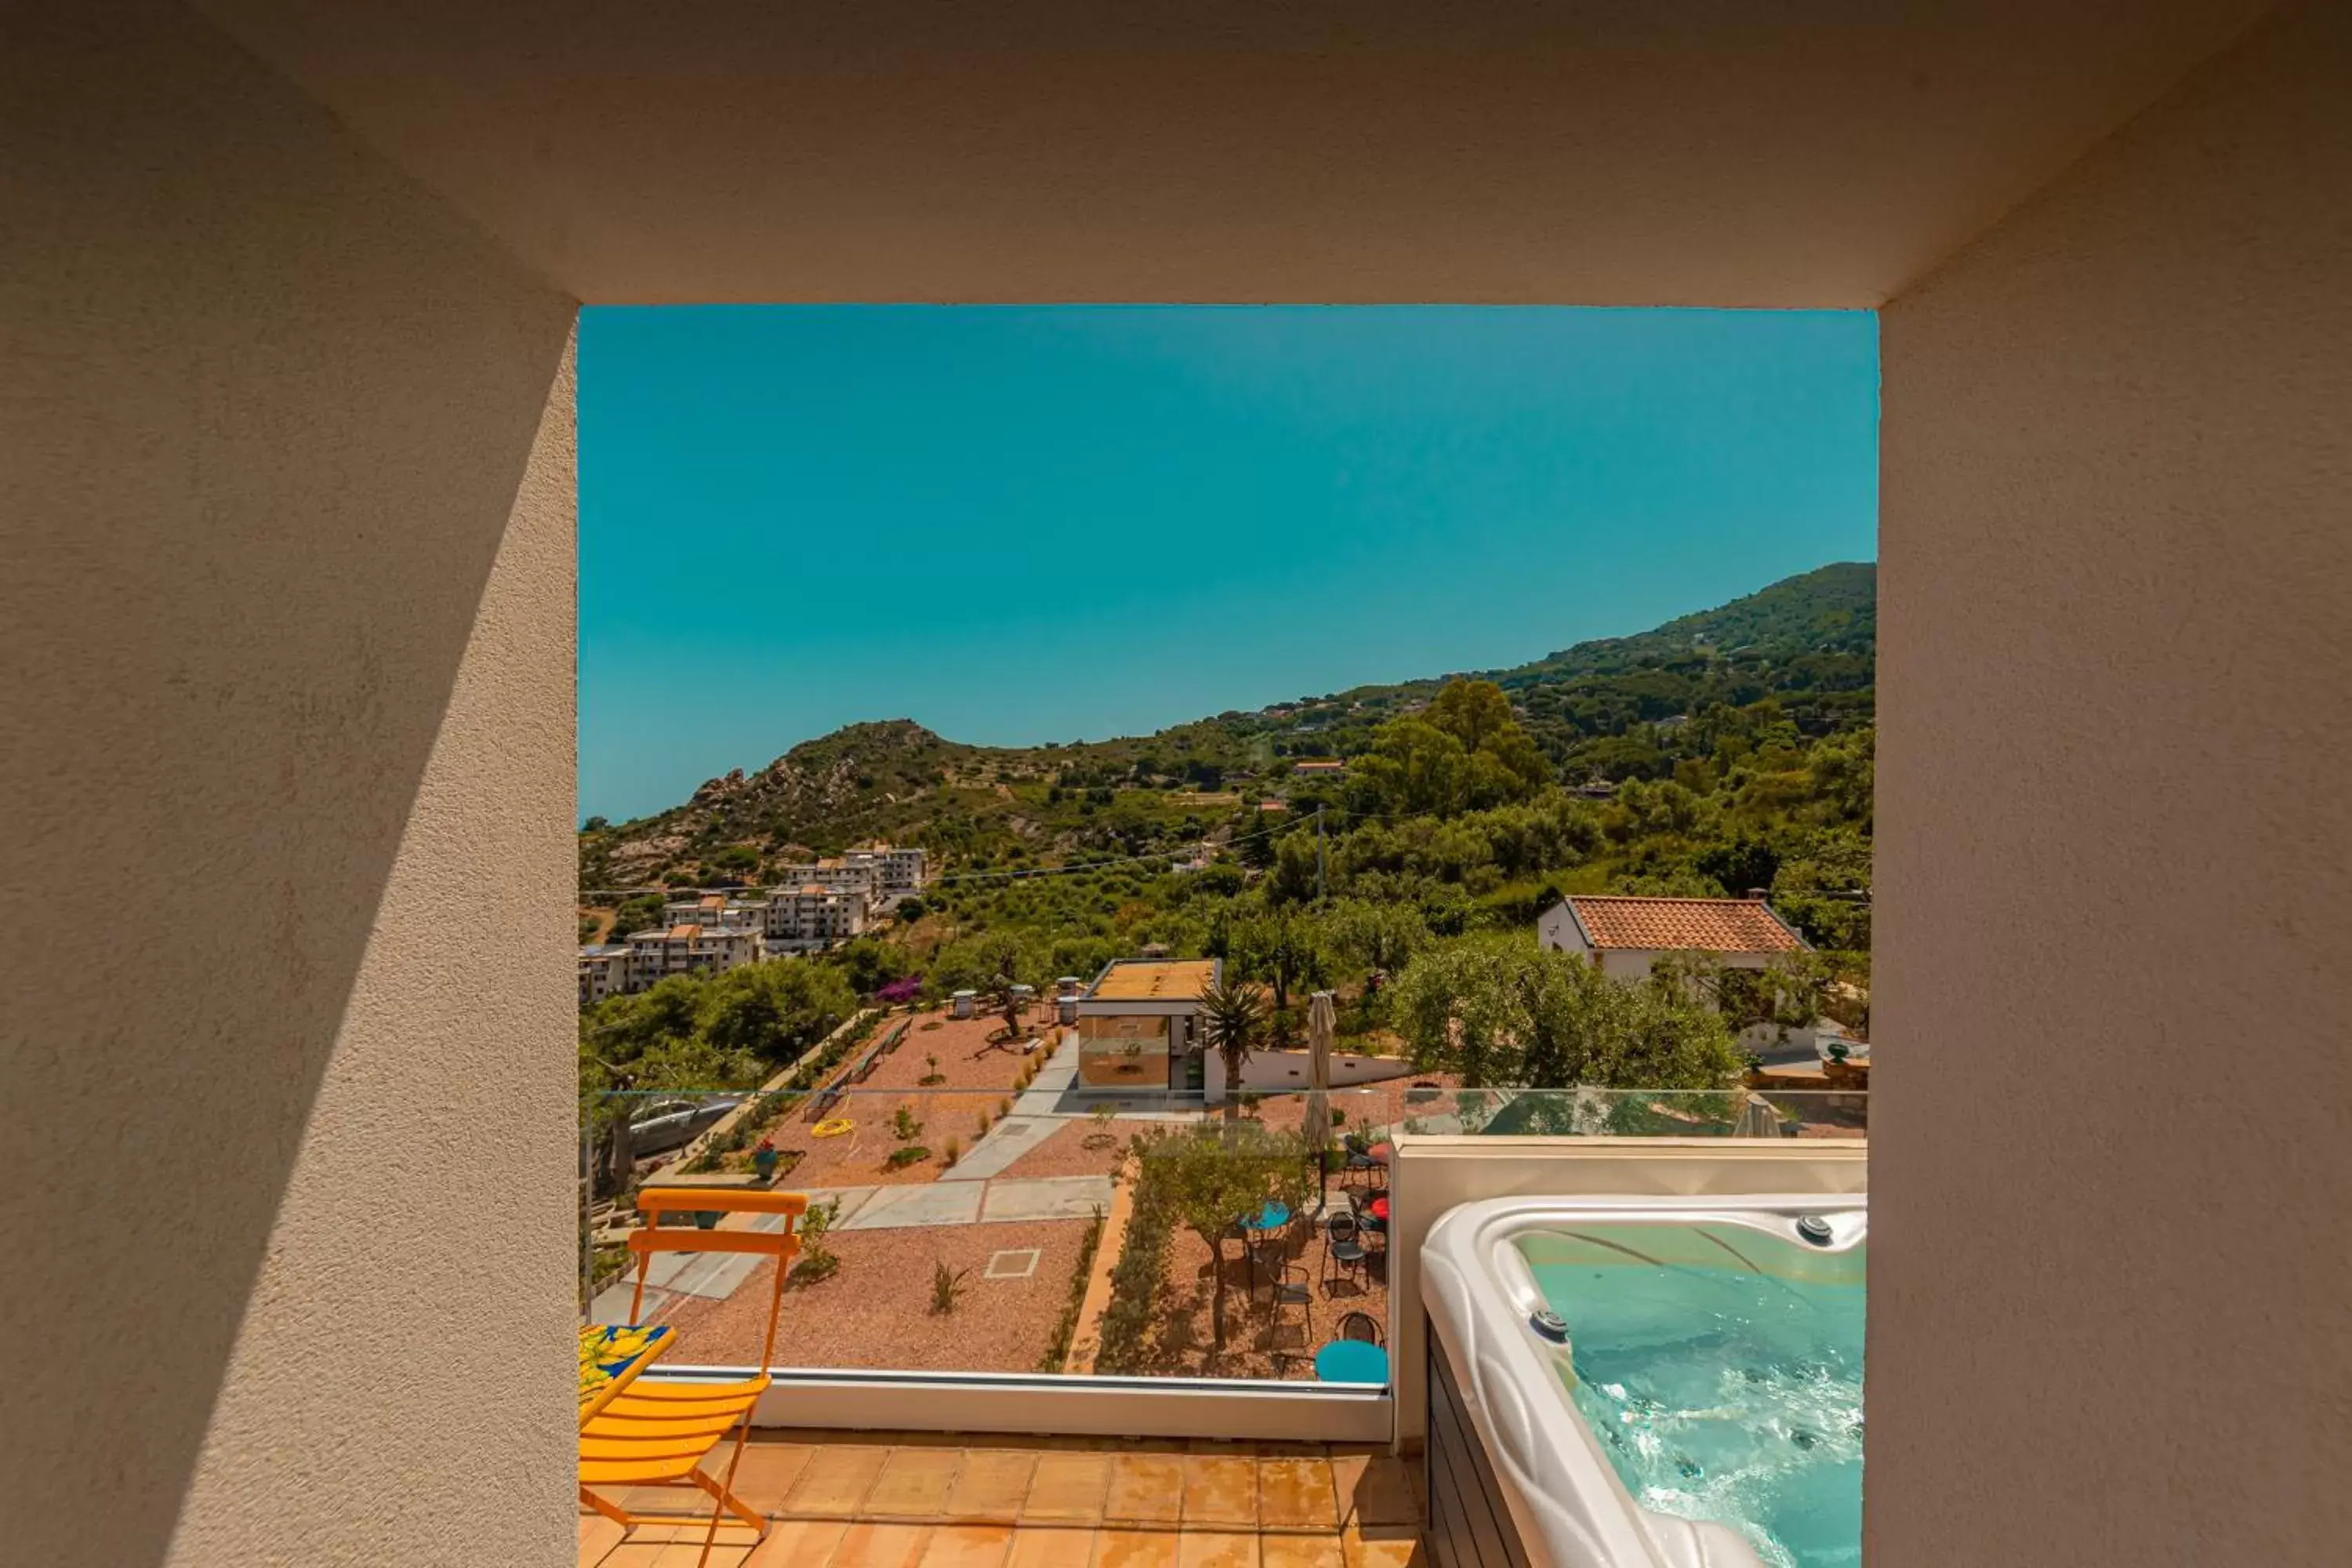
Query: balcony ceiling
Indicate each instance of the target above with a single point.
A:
(1598, 151)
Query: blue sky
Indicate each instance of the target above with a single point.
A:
(1022, 524)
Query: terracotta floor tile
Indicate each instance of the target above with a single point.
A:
(968, 1546)
(1383, 1495)
(835, 1482)
(1301, 1551)
(1044, 1546)
(1136, 1549)
(766, 1473)
(1067, 1489)
(798, 1543)
(1145, 1488)
(881, 1546)
(1297, 1494)
(1347, 1480)
(1384, 1546)
(1220, 1491)
(598, 1535)
(1216, 1548)
(913, 1484)
(990, 1486)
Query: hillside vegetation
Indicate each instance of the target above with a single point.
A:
(1722, 752)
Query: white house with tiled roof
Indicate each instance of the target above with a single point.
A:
(1624, 935)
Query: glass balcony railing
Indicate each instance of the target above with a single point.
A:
(989, 1209)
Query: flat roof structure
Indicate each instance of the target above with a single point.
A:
(1154, 980)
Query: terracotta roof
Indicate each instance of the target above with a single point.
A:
(1702, 925)
(684, 933)
(1319, 767)
(1155, 980)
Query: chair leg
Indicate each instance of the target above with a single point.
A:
(612, 1511)
(723, 1496)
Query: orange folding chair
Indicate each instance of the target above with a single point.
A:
(658, 1433)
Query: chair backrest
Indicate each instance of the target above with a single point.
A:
(1342, 1226)
(1360, 1326)
(782, 1244)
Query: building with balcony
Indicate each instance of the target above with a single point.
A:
(812, 917)
(900, 868)
(859, 880)
(290, 415)
(715, 911)
(656, 955)
(603, 972)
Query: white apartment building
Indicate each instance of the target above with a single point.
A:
(860, 879)
(901, 868)
(656, 955)
(713, 912)
(603, 972)
(813, 916)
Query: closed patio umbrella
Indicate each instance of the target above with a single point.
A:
(1322, 1024)
(1758, 1119)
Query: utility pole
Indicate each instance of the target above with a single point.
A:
(1322, 891)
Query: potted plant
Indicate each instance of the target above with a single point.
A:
(764, 1158)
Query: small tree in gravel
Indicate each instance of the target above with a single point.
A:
(1218, 1176)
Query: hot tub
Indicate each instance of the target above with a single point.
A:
(1646, 1382)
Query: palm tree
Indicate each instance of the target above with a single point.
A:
(1232, 1017)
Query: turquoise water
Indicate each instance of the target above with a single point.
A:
(1726, 1394)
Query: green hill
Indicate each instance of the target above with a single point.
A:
(1799, 653)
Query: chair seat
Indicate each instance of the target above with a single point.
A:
(659, 1431)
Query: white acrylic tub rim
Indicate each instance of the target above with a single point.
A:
(1570, 1509)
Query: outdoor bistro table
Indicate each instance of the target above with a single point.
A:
(611, 1356)
(1351, 1361)
(1274, 1216)
(1376, 1213)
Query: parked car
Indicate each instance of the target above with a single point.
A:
(667, 1124)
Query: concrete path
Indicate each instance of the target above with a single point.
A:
(1047, 1198)
(967, 1202)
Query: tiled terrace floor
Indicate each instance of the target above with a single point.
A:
(927, 1500)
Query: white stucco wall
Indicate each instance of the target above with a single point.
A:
(2112, 1253)
(1287, 1070)
(285, 588)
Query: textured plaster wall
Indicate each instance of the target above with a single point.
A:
(285, 588)
(2109, 1315)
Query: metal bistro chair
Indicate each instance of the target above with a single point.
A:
(657, 1433)
(1290, 1289)
(1342, 1243)
(1361, 1326)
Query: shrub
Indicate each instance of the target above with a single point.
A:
(817, 1261)
(1057, 1351)
(952, 1153)
(911, 1154)
(904, 1125)
(947, 1286)
(934, 1075)
(1139, 1281)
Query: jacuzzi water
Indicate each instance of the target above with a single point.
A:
(1725, 1394)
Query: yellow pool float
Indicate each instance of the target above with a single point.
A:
(832, 1127)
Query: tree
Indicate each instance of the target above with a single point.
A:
(776, 1010)
(1466, 751)
(1500, 1010)
(1374, 936)
(1231, 1019)
(1293, 877)
(1278, 947)
(1004, 995)
(1215, 1177)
